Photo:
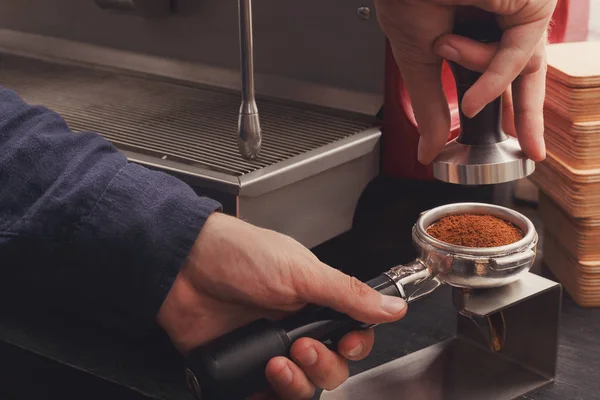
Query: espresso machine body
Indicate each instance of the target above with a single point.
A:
(161, 80)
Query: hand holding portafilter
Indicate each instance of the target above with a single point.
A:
(483, 153)
(233, 365)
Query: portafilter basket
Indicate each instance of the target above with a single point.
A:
(233, 366)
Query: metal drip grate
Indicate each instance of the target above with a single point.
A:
(194, 124)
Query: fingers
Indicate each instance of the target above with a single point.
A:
(324, 368)
(523, 109)
(430, 106)
(357, 345)
(412, 27)
(519, 42)
(331, 288)
(474, 55)
(288, 380)
(314, 366)
(529, 93)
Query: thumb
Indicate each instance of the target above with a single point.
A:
(331, 288)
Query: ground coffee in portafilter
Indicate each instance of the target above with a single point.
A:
(472, 230)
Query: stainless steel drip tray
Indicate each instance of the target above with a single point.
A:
(314, 164)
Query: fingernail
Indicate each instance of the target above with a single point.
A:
(285, 376)
(542, 146)
(356, 351)
(543, 152)
(392, 305)
(308, 357)
(448, 52)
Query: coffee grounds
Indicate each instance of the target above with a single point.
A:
(472, 230)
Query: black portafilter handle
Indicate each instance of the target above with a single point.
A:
(233, 366)
(486, 127)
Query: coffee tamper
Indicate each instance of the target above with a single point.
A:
(483, 153)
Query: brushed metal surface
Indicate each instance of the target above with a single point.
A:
(116, 5)
(315, 209)
(267, 84)
(144, 8)
(189, 125)
(464, 367)
(312, 162)
(482, 164)
(532, 323)
(205, 33)
(482, 303)
(450, 370)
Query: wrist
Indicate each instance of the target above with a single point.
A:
(192, 312)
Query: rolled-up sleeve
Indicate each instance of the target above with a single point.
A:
(77, 217)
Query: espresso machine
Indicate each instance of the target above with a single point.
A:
(291, 140)
(258, 105)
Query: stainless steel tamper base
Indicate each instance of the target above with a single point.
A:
(482, 164)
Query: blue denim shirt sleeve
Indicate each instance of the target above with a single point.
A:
(75, 215)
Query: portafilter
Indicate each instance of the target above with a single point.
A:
(233, 366)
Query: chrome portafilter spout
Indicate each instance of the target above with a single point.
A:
(483, 153)
(233, 365)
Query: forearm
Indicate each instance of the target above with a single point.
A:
(75, 214)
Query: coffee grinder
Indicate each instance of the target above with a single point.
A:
(506, 339)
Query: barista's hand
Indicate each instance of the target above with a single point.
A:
(237, 273)
(419, 32)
